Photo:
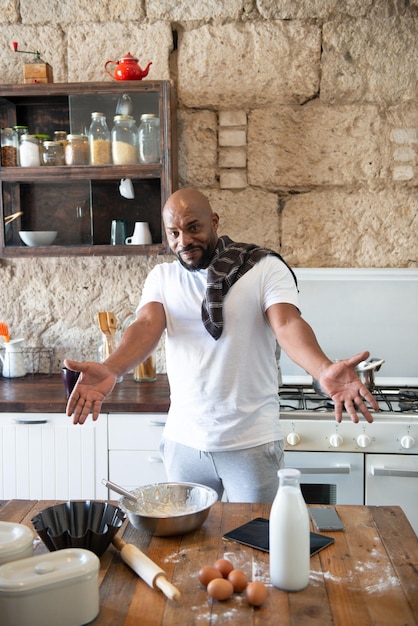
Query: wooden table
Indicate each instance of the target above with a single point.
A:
(368, 576)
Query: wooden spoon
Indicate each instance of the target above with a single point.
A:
(104, 327)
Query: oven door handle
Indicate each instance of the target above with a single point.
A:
(334, 469)
(393, 471)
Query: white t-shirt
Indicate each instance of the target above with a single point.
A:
(224, 393)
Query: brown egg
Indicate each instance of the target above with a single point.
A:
(206, 574)
(224, 566)
(220, 589)
(238, 579)
(256, 593)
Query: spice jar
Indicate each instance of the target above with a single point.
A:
(8, 147)
(99, 140)
(20, 131)
(53, 153)
(77, 150)
(124, 140)
(61, 136)
(29, 151)
(149, 139)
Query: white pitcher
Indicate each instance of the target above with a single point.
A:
(12, 361)
(141, 236)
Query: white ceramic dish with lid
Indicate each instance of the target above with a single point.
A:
(16, 542)
(59, 587)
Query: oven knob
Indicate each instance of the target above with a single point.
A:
(407, 442)
(336, 440)
(293, 439)
(363, 440)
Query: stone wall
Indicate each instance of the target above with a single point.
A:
(298, 119)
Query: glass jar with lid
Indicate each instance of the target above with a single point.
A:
(149, 139)
(20, 131)
(53, 153)
(9, 147)
(77, 150)
(29, 153)
(124, 140)
(99, 140)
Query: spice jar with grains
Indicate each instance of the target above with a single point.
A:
(53, 153)
(99, 140)
(9, 147)
(77, 150)
(124, 140)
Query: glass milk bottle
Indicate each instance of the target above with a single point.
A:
(289, 534)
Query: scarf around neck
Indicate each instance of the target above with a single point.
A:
(230, 261)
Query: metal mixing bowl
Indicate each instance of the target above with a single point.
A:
(165, 509)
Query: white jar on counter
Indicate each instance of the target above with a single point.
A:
(149, 139)
(124, 140)
(29, 151)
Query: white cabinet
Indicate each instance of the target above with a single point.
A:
(134, 457)
(45, 456)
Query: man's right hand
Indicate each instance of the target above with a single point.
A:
(95, 382)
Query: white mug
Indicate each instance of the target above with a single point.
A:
(141, 236)
(126, 188)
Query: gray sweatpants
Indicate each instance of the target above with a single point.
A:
(248, 475)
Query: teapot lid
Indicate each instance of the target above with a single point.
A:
(128, 57)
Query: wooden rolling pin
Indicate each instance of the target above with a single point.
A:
(146, 569)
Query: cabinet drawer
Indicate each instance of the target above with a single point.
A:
(139, 431)
(131, 469)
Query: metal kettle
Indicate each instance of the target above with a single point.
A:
(127, 68)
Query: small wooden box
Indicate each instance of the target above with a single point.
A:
(37, 73)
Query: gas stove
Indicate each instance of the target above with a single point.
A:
(308, 422)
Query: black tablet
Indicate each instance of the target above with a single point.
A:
(256, 535)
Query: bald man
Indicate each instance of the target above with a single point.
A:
(224, 306)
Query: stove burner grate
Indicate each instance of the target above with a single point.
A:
(305, 398)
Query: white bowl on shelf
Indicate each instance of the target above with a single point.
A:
(38, 237)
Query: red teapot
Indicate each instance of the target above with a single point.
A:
(127, 68)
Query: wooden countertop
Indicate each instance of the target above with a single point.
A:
(368, 576)
(45, 394)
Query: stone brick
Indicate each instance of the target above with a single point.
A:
(232, 157)
(232, 118)
(250, 215)
(370, 60)
(197, 166)
(309, 9)
(251, 64)
(192, 10)
(296, 147)
(233, 179)
(232, 137)
(362, 228)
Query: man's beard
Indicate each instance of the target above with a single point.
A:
(203, 261)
